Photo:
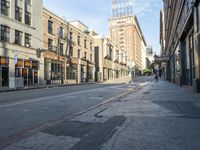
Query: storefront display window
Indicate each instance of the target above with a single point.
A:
(71, 72)
(56, 70)
(90, 73)
(18, 72)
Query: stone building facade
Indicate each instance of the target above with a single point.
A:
(68, 50)
(20, 41)
(181, 24)
(110, 63)
(126, 34)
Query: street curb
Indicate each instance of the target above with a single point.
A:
(45, 87)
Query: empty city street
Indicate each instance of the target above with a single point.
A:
(26, 110)
(144, 114)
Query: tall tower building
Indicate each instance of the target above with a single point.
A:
(125, 32)
(122, 8)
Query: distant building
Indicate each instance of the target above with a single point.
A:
(122, 8)
(20, 42)
(109, 61)
(125, 32)
(149, 56)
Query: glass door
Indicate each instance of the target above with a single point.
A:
(35, 77)
(5, 79)
(30, 77)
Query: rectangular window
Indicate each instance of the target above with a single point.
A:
(91, 57)
(27, 40)
(18, 13)
(50, 44)
(5, 33)
(79, 53)
(91, 47)
(27, 18)
(71, 36)
(61, 33)
(85, 55)
(79, 41)
(18, 37)
(61, 48)
(71, 51)
(85, 43)
(50, 27)
(5, 5)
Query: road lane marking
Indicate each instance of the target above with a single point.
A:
(53, 97)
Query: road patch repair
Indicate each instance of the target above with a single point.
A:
(72, 135)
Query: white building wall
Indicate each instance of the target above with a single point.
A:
(35, 30)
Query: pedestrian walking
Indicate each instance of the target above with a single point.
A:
(156, 74)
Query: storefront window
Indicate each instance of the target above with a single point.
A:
(71, 72)
(17, 72)
(90, 73)
(56, 70)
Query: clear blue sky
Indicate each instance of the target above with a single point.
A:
(96, 13)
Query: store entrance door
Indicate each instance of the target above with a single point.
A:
(5, 79)
(35, 77)
(30, 77)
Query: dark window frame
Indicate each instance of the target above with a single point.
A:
(61, 32)
(91, 45)
(91, 57)
(5, 5)
(27, 18)
(27, 40)
(50, 27)
(71, 51)
(61, 49)
(50, 44)
(79, 53)
(85, 43)
(85, 55)
(18, 13)
(18, 37)
(5, 33)
(79, 40)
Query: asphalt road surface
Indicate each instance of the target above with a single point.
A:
(23, 111)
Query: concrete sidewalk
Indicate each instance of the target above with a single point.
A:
(160, 116)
